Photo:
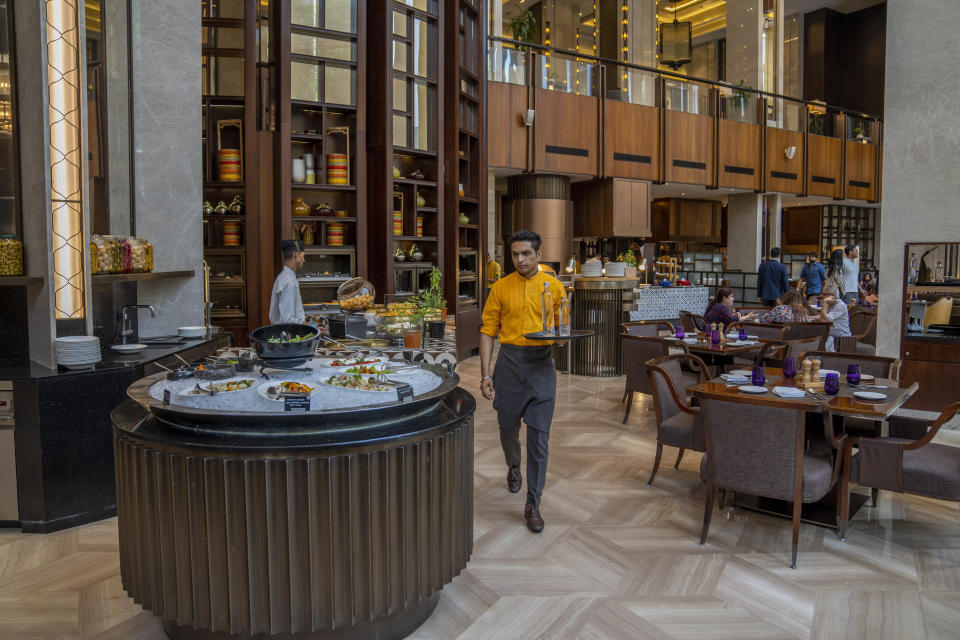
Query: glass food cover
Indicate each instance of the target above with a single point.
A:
(356, 294)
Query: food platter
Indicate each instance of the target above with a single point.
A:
(357, 383)
(225, 386)
(271, 390)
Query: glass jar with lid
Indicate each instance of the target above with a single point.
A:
(147, 254)
(138, 255)
(11, 256)
(112, 261)
(356, 294)
(125, 254)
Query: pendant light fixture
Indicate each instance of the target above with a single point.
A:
(675, 42)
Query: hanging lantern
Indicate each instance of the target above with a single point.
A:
(676, 49)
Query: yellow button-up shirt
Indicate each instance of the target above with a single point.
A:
(513, 307)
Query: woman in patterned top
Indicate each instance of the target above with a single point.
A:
(790, 309)
(721, 310)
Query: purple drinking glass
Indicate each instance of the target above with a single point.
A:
(743, 334)
(759, 376)
(853, 374)
(715, 336)
(789, 367)
(831, 384)
(680, 333)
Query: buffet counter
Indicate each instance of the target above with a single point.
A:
(666, 303)
(342, 521)
(61, 446)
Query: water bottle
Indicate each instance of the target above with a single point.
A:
(546, 309)
(563, 317)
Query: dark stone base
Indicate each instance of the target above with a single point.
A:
(392, 627)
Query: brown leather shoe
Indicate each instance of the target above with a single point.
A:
(514, 479)
(532, 515)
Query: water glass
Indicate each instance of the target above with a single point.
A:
(715, 336)
(743, 334)
(832, 383)
(680, 333)
(789, 367)
(759, 376)
(853, 374)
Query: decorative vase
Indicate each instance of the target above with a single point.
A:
(298, 170)
(323, 209)
(396, 173)
(421, 201)
(416, 255)
(463, 218)
(398, 255)
(398, 223)
(311, 176)
(335, 234)
(236, 205)
(221, 208)
(308, 161)
(308, 234)
(207, 208)
(299, 208)
(418, 175)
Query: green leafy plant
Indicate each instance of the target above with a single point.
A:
(816, 124)
(629, 257)
(432, 299)
(524, 28)
(739, 97)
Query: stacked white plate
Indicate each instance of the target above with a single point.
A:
(77, 352)
(192, 332)
(591, 269)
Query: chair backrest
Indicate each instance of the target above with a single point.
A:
(877, 366)
(692, 322)
(648, 328)
(666, 376)
(813, 329)
(796, 348)
(636, 351)
(863, 324)
(753, 448)
(765, 331)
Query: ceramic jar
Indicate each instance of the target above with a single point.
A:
(299, 208)
(298, 170)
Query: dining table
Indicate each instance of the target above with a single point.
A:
(846, 403)
(721, 354)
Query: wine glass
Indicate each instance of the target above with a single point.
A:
(758, 377)
(853, 374)
(715, 336)
(789, 367)
(680, 332)
(743, 334)
(831, 383)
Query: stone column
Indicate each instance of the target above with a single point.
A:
(745, 231)
(921, 184)
(167, 156)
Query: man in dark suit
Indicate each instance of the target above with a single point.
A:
(772, 281)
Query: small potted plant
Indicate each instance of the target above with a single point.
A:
(524, 28)
(861, 134)
(433, 306)
(738, 101)
(629, 258)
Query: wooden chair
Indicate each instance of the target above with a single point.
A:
(755, 448)
(678, 424)
(637, 350)
(863, 338)
(692, 322)
(920, 467)
(648, 328)
(808, 330)
(876, 366)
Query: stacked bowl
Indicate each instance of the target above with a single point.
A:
(337, 168)
(77, 352)
(230, 165)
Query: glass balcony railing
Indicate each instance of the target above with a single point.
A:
(739, 105)
(506, 63)
(635, 86)
(686, 96)
(565, 73)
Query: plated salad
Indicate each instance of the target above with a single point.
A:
(354, 361)
(364, 369)
(357, 383)
(296, 387)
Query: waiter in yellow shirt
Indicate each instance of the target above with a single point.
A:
(493, 270)
(524, 383)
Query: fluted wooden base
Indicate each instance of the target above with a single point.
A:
(303, 541)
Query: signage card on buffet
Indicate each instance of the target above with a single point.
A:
(404, 392)
(296, 401)
(166, 397)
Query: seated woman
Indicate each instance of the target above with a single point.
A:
(790, 309)
(721, 310)
(834, 309)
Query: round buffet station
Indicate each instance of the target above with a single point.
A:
(243, 514)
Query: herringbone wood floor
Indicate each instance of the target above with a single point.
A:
(616, 560)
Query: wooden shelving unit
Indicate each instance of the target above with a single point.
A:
(466, 182)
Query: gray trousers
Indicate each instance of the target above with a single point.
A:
(536, 457)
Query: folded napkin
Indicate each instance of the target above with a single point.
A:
(789, 392)
(741, 343)
(732, 378)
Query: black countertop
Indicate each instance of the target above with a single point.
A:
(932, 337)
(111, 360)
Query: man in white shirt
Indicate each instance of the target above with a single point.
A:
(851, 273)
(286, 307)
(835, 311)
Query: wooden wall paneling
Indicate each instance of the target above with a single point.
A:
(740, 155)
(860, 170)
(631, 208)
(630, 135)
(824, 166)
(379, 160)
(507, 141)
(800, 231)
(590, 214)
(688, 148)
(561, 145)
(782, 174)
